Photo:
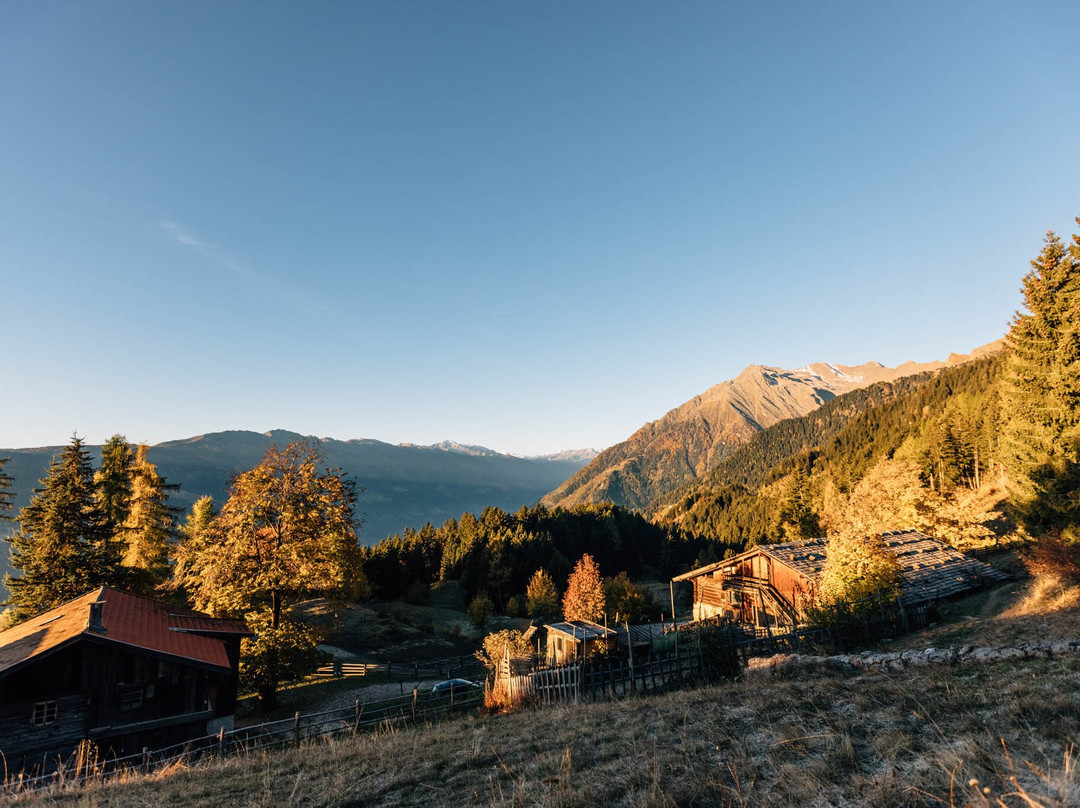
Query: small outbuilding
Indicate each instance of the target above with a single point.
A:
(772, 584)
(123, 671)
(572, 640)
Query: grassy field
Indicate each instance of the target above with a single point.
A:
(1005, 734)
(922, 738)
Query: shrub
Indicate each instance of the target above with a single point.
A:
(480, 610)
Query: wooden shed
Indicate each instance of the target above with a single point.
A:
(772, 584)
(577, 639)
(123, 671)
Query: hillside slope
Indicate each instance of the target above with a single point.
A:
(836, 446)
(696, 436)
(927, 737)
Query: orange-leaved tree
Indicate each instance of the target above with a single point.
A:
(286, 532)
(584, 598)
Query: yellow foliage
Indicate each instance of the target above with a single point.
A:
(858, 568)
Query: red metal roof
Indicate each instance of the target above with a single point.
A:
(128, 619)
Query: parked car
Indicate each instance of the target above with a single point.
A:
(458, 687)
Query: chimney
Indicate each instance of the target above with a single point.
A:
(96, 623)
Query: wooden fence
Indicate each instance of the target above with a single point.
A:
(601, 678)
(465, 667)
(710, 649)
(86, 764)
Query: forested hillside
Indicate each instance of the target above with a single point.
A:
(496, 553)
(698, 435)
(787, 481)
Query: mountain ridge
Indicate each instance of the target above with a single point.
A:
(405, 486)
(693, 437)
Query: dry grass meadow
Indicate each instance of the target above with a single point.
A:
(1005, 734)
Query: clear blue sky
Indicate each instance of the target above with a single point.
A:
(532, 226)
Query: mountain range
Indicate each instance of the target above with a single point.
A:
(404, 485)
(696, 436)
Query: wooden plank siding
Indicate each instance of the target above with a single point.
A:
(771, 585)
(31, 745)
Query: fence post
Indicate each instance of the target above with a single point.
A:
(414, 695)
(146, 760)
(221, 741)
(296, 728)
(356, 721)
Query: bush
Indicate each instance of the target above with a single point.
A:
(480, 610)
(514, 607)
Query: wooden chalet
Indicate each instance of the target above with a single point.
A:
(123, 671)
(572, 640)
(772, 584)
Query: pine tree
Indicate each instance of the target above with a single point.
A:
(113, 482)
(62, 547)
(148, 529)
(6, 496)
(584, 598)
(1041, 394)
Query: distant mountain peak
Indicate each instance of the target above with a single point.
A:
(464, 448)
(695, 436)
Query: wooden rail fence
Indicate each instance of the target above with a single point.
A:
(87, 764)
(445, 668)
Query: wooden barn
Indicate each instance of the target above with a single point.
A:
(772, 584)
(577, 639)
(123, 671)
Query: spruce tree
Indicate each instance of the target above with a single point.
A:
(113, 482)
(1041, 394)
(7, 497)
(62, 547)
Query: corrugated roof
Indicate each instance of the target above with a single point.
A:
(642, 634)
(128, 620)
(581, 629)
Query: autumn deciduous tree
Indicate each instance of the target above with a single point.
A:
(480, 609)
(287, 531)
(499, 643)
(626, 601)
(149, 528)
(541, 597)
(858, 569)
(584, 598)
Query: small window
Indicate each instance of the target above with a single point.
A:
(44, 713)
(131, 698)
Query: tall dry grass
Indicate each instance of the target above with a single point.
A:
(994, 735)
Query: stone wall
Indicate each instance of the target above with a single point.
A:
(900, 660)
